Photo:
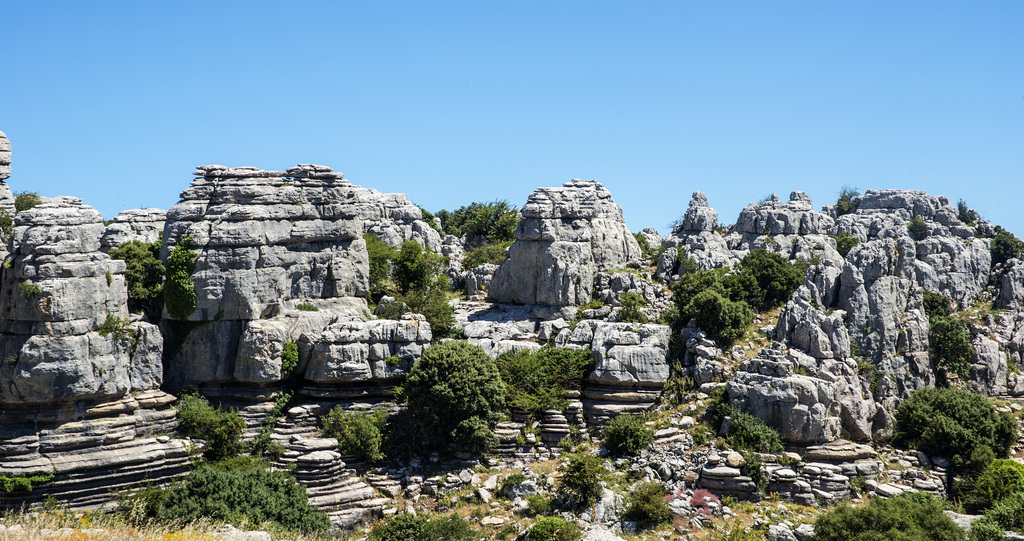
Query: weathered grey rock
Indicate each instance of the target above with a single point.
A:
(479, 279)
(699, 216)
(1011, 286)
(773, 217)
(696, 239)
(627, 354)
(392, 218)
(566, 235)
(5, 157)
(143, 225)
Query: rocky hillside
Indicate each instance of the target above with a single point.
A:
(273, 290)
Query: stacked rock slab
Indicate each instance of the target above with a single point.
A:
(74, 402)
(564, 237)
(792, 229)
(5, 157)
(143, 225)
(697, 239)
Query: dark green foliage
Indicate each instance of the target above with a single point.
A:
(554, 529)
(845, 242)
(627, 435)
(380, 255)
(755, 470)
(951, 345)
(511, 481)
(956, 424)
(26, 200)
(907, 517)
(454, 393)
(647, 507)
(6, 226)
(415, 267)
(1005, 246)
(963, 213)
(24, 483)
(115, 327)
(645, 246)
(776, 279)
(537, 380)
(262, 446)
(306, 307)
(289, 358)
(237, 494)
(488, 253)
(692, 283)
(751, 433)
(917, 228)
(222, 430)
(1000, 479)
(413, 276)
(144, 275)
(937, 304)
(359, 433)
(580, 483)
(496, 221)
(846, 202)
(723, 320)
(429, 218)
(408, 527)
(629, 309)
(432, 303)
(1007, 514)
(179, 291)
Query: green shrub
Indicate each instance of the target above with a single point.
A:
(306, 307)
(29, 290)
(24, 483)
(751, 433)
(454, 393)
(627, 435)
(937, 304)
(554, 529)
(409, 527)
(723, 320)
(647, 507)
(629, 309)
(414, 267)
(1000, 479)
(496, 221)
(907, 517)
(116, 327)
(1005, 246)
(956, 424)
(775, 278)
(1006, 514)
(359, 433)
(951, 345)
(144, 275)
(289, 358)
(488, 253)
(262, 445)
(222, 430)
(413, 276)
(917, 228)
(512, 480)
(755, 470)
(26, 200)
(540, 505)
(536, 380)
(380, 255)
(179, 290)
(847, 202)
(845, 242)
(580, 483)
(6, 226)
(963, 212)
(241, 494)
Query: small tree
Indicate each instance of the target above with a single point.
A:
(222, 430)
(629, 310)
(627, 435)
(580, 482)
(1005, 246)
(845, 242)
(776, 279)
(26, 200)
(951, 345)
(380, 255)
(937, 304)
(359, 433)
(179, 291)
(917, 228)
(723, 320)
(908, 517)
(454, 393)
(144, 275)
(646, 506)
(847, 201)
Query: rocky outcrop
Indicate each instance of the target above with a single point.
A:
(696, 238)
(392, 218)
(565, 237)
(5, 157)
(143, 225)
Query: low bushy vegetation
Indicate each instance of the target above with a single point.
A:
(1005, 246)
(580, 483)
(1001, 479)
(289, 358)
(359, 433)
(627, 435)
(536, 380)
(144, 276)
(917, 228)
(908, 517)
(956, 424)
(847, 201)
(646, 506)
(26, 200)
(554, 529)
(179, 291)
(845, 242)
(409, 527)
(488, 253)
(221, 430)
(495, 221)
(951, 346)
(629, 308)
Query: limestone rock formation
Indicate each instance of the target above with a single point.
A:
(695, 238)
(5, 157)
(566, 235)
(143, 225)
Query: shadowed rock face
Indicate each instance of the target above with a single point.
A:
(565, 237)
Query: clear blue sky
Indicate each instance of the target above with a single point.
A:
(116, 102)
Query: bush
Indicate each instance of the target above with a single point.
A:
(415, 267)
(629, 309)
(1005, 246)
(144, 275)
(956, 424)
(1007, 514)
(409, 527)
(647, 507)
(24, 483)
(845, 242)
(179, 291)
(917, 228)
(963, 212)
(454, 393)
(6, 226)
(222, 430)
(496, 221)
(242, 494)
(627, 435)
(751, 433)
(847, 202)
(580, 483)
(907, 517)
(414, 276)
(554, 529)
(937, 304)
(29, 290)
(1000, 479)
(951, 345)
(723, 320)
(358, 433)
(289, 358)
(115, 327)
(488, 253)
(380, 255)
(306, 307)
(537, 380)
(775, 278)
(26, 200)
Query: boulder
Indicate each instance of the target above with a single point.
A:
(143, 225)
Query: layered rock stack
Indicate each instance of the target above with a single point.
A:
(143, 225)
(565, 237)
(696, 237)
(79, 382)
(5, 157)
